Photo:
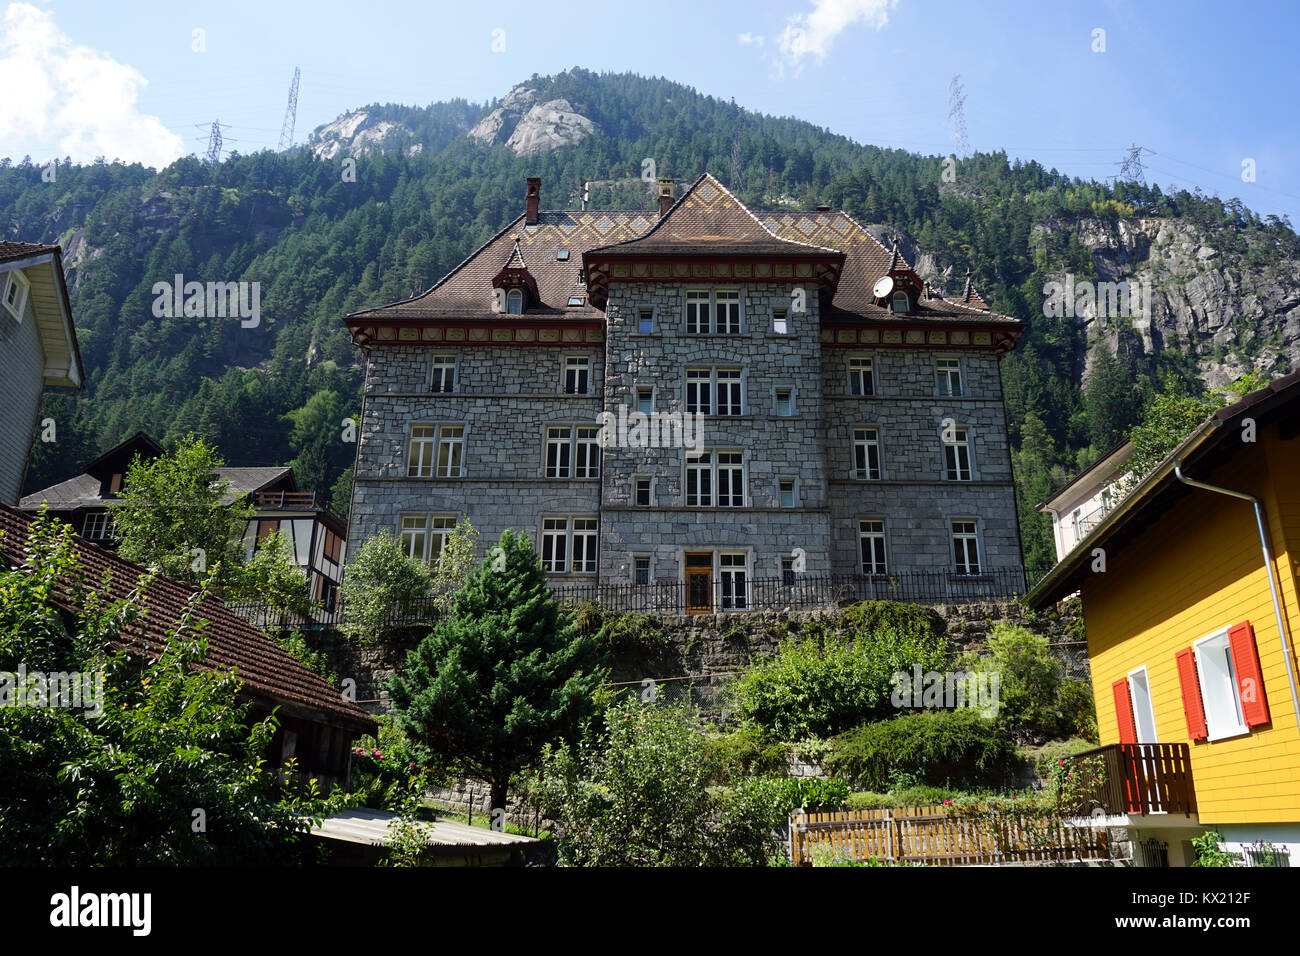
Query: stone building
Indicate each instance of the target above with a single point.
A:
(704, 401)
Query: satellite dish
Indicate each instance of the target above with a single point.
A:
(884, 285)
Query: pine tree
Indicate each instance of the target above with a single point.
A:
(503, 675)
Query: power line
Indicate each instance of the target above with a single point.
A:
(290, 113)
(1130, 167)
(216, 141)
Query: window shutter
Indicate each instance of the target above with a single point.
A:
(1124, 712)
(1250, 683)
(1191, 686)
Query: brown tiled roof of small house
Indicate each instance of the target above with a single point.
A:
(267, 672)
(23, 250)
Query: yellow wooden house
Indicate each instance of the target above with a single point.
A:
(1189, 590)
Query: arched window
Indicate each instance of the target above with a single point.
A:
(515, 302)
(901, 305)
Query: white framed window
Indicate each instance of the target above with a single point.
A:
(641, 492)
(866, 454)
(641, 570)
(699, 479)
(1220, 690)
(699, 391)
(734, 581)
(443, 374)
(728, 311)
(420, 451)
(785, 492)
(584, 545)
(645, 319)
(588, 452)
(862, 379)
(98, 526)
(900, 303)
(731, 479)
(424, 536)
(698, 312)
(563, 537)
(555, 545)
(948, 373)
(16, 287)
(729, 391)
(965, 546)
(645, 400)
(577, 375)
(871, 546)
(451, 451)
(787, 571)
(780, 323)
(785, 401)
(956, 454)
(515, 302)
(559, 444)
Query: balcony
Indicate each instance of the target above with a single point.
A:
(1136, 779)
(288, 501)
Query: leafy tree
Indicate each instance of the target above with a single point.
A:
(174, 516)
(272, 578)
(635, 793)
(503, 675)
(380, 580)
(456, 562)
(1029, 678)
(117, 784)
(1171, 417)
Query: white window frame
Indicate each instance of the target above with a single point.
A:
(421, 451)
(972, 536)
(586, 451)
(559, 439)
(563, 533)
(97, 526)
(699, 466)
(442, 362)
(776, 401)
(708, 298)
(867, 437)
(698, 298)
(551, 537)
(649, 569)
(647, 390)
(962, 444)
(15, 280)
(514, 302)
(780, 320)
(945, 367)
(699, 377)
(650, 491)
(794, 492)
(455, 457)
(578, 365)
(739, 314)
(735, 382)
(1213, 683)
(789, 576)
(728, 570)
(734, 472)
(653, 317)
(429, 528)
(584, 557)
(873, 535)
(868, 367)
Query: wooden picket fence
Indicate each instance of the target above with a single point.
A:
(943, 836)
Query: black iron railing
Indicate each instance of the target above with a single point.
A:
(728, 594)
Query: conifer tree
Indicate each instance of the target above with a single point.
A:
(501, 676)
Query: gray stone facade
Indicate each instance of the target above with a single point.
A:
(506, 397)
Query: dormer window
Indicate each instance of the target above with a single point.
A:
(900, 303)
(562, 255)
(15, 293)
(576, 300)
(515, 302)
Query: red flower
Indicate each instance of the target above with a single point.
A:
(1062, 762)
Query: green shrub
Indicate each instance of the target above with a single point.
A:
(1029, 678)
(748, 751)
(1078, 713)
(821, 687)
(1049, 756)
(936, 747)
(919, 795)
(871, 617)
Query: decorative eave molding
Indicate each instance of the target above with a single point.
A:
(903, 334)
(537, 332)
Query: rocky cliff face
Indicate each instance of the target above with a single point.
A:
(358, 133)
(527, 124)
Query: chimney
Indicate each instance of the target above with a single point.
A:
(666, 197)
(534, 194)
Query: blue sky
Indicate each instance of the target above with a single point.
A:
(1205, 86)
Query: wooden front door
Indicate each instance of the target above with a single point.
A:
(699, 582)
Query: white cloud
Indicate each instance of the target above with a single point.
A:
(813, 33)
(750, 39)
(64, 99)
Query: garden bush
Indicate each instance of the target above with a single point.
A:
(748, 751)
(817, 686)
(952, 748)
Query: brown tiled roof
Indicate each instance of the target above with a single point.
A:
(466, 291)
(267, 671)
(708, 219)
(22, 250)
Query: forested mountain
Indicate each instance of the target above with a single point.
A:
(385, 200)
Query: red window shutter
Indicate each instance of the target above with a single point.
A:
(1250, 683)
(1124, 712)
(1191, 685)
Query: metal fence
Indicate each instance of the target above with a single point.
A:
(735, 593)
